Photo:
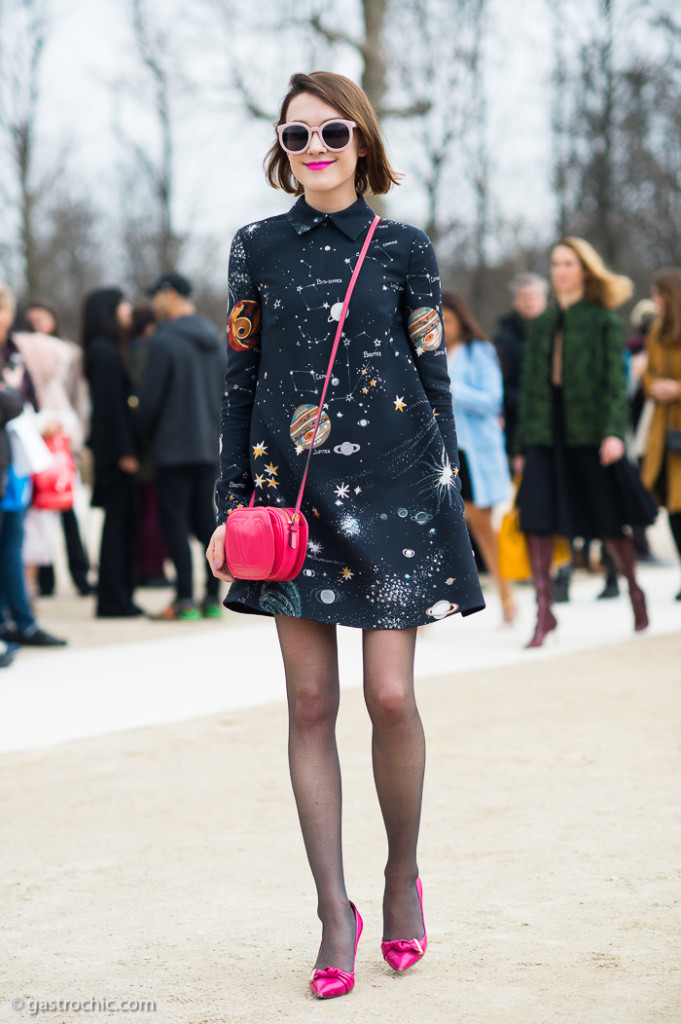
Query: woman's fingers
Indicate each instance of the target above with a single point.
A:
(216, 556)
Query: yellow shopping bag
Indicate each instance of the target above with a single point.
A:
(514, 555)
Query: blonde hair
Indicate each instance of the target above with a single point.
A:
(373, 173)
(7, 298)
(601, 285)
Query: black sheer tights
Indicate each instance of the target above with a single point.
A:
(675, 527)
(310, 658)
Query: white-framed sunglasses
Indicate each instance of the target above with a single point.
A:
(335, 135)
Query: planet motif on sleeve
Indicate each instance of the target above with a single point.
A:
(243, 325)
(425, 329)
(302, 426)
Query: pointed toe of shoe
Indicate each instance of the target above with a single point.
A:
(401, 954)
(331, 982)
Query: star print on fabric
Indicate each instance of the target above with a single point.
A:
(365, 391)
(372, 383)
(271, 468)
(272, 482)
(343, 490)
(315, 513)
(358, 490)
(400, 404)
(347, 574)
(259, 449)
(260, 481)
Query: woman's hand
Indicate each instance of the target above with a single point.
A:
(129, 464)
(51, 429)
(216, 555)
(612, 450)
(518, 465)
(665, 390)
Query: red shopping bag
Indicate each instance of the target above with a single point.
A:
(54, 488)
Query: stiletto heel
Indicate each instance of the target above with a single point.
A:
(329, 982)
(401, 954)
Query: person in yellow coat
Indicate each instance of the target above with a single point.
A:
(661, 469)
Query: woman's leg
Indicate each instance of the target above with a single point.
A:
(310, 658)
(675, 527)
(480, 523)
(624, 557)
(399, 752)
(541, 553)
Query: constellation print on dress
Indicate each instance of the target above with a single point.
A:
(440, 480)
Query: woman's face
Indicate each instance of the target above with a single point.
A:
(41, 320)
(124, 314)
(567, 273)
(452, 326)
(328, 177)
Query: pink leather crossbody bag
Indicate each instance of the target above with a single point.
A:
(264, 542)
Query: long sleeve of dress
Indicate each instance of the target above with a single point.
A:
(422, 305)
(234, 486)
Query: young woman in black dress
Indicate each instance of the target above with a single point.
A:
(106, 318)
(388, 548)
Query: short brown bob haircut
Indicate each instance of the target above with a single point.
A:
(373, 174)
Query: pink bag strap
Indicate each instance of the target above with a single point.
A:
(336, 342)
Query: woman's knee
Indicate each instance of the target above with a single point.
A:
(313, 703)
(390, 702)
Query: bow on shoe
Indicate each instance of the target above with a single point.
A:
(401, 954)
(331, 981)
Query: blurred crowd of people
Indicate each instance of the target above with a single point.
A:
(141, 392)
(557, 398)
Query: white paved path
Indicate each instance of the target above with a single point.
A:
(183, 671)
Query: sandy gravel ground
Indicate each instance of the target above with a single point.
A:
(165, 864)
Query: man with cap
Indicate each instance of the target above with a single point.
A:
(179, 396)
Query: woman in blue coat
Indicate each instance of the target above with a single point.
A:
(477, 395)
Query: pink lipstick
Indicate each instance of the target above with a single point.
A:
(319, 165)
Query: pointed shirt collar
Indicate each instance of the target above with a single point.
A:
(352, 221)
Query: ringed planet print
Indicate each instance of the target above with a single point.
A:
(387, 533)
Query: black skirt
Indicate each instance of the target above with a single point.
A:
(465, 477)
(567, 491)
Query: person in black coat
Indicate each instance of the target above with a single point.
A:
(530, 292)
(106, 317)
(180, 392)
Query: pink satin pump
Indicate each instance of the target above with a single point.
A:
(329, 982)
(401, 954)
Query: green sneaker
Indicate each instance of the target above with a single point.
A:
(180, 610)
(211, 608)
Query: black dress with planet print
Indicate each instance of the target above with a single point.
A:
(388, 545)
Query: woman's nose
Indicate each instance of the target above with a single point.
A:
(316, 145)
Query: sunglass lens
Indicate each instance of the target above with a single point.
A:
(295, 138)
(336, 135)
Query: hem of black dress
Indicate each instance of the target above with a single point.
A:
(246, 609)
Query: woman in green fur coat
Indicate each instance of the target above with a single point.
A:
(572, 422)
